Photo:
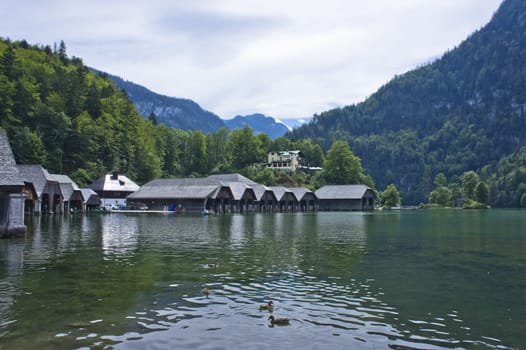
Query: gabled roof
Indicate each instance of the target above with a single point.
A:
(90, 197)
(260, 191)
(240, 190)
(110, 182)
(67, 186)
(301, 192)
(341, 192)
(233, 178)
(282, 192)
(9, 175)
(37, 175)
(196, 188)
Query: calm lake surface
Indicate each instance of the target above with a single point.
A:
(425, 279)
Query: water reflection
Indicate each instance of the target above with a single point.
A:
(120, 235)
(345, 280)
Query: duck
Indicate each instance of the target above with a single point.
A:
(268, 306)
(278, 321)
(205, 290)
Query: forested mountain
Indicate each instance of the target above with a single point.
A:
(462, 112)
(173, 112)
(259, 123)
(59, 114)
(73, 121)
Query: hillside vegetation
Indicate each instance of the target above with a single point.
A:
(465, 111)
(62, 115)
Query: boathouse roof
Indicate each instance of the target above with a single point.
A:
(302, 193)
(9, 175)
(114, 183)
(198, 188)
(262, 192)
(90, 197)
(37, 175)
(283, 193)
(341, 192)
(67, 186)
(233, 178)
(239, 185)
(241, 190)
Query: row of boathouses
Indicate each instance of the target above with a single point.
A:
(236, 193)
(30, 188)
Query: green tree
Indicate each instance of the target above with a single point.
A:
(312, 153)
(197, 154)
(456, 193)
(266, 177)
(441, 196)
(342, 166)
(440, 180)
(28, 147)
(281, 144)
(470, 180)
(243, 147)
(390, 197)
(481, 193)
(217, 149)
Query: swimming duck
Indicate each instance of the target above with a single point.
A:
(268, 306)
(205, 290)
(278, 321)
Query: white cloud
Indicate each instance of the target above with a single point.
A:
(287, 58)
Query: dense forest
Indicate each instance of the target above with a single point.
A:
(465, 111)
(62, 115)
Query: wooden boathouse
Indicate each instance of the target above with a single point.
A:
(186, 195)
(307, 200)
(47, 196)
(345, 198)
(11, 195)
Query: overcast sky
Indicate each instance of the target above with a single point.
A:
(286, 58)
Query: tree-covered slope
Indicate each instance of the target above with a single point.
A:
(59, 114)
(459, 113)
(174, 112)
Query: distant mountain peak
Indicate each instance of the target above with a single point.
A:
(174, 112)
(259, 123)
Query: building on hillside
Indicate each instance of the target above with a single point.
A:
(43, 193)
(286, 200)
(188, 195)
(113, 189)
(307, 200)
(284, 160)
(345, 198)
(11, 195)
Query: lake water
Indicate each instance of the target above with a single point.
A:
(425, 279)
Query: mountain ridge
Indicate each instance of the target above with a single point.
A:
(259, 123)
(175, 112)
(461, 112)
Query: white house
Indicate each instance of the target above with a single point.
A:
(113, 189)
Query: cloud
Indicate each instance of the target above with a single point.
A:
(289, 58)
